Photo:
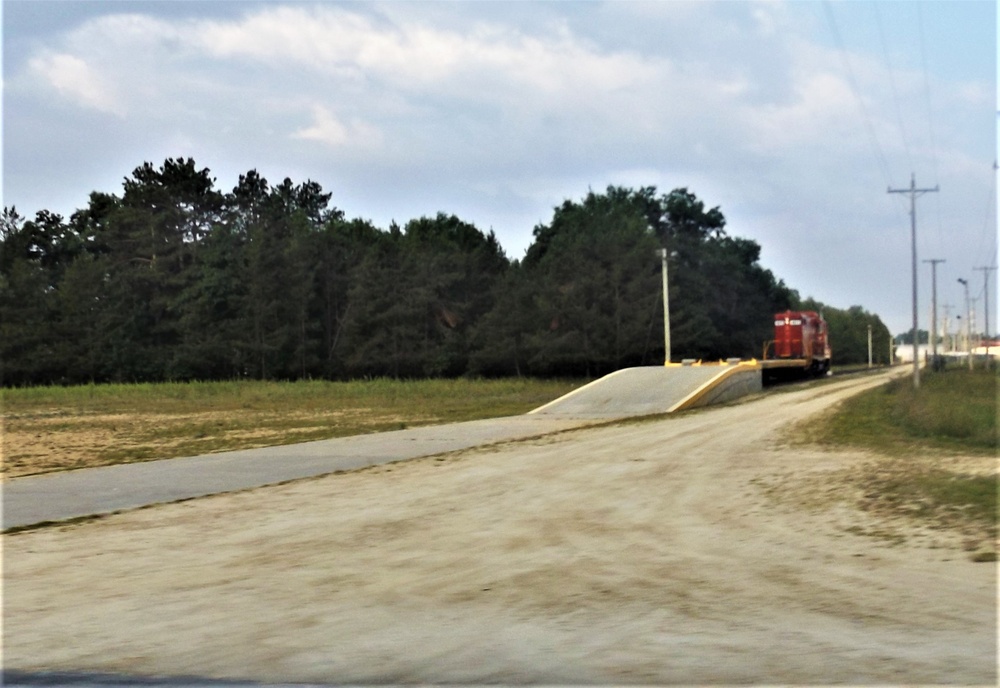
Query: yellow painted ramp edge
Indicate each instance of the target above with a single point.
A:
(697, 395)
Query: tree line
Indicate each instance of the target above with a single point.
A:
(174, 279)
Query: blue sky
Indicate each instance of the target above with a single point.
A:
(793, 117)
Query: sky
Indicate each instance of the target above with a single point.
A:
(793, 118)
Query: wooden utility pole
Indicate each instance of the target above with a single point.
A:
(976, 338)
(968, 321)
(986, 297)
(666, 309)
(869, 346)
(946, 339)
(934, 332)
(914, 192)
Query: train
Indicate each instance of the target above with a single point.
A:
(801, 345)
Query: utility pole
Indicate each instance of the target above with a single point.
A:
(934, 332)
(869, 346)
(972, 324)
(946, 340)
(666, 310)
(968, 331)
(914, 192)
(986, 297)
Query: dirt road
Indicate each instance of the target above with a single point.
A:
(649, 552)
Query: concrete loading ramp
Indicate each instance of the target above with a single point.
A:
(650, 390)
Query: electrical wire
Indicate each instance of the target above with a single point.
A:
(890, 70)
(938, 214)
(892, 83)
(988, 239)
(927, 91)
(853, 83)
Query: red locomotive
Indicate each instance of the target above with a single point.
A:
(800, 341)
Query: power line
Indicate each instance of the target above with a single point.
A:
(988, 236)
(927, 90)
(939, 233)
(986, 295)
(852, 82)
(892, 83)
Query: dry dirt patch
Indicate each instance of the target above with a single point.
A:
(51, 440)
(852, 483)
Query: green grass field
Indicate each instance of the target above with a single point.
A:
(955, 410)
(56, 428)
(924, 435)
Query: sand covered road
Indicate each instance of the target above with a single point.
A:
(648, 552)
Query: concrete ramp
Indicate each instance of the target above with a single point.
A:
(650, 390)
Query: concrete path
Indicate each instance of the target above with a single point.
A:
(72, 494)
(626, 393)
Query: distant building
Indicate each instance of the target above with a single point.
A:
(994, 349)
(904, 352)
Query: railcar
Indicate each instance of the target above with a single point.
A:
(801, 344)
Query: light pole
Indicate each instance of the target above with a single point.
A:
(666, 309)
(968, 332)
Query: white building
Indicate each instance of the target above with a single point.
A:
(904, 352)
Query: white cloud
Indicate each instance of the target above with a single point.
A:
(822, 102)
(336, 42)
(364, 67)
(322, 38)
(79, 81)
(418, 57)
(328, 130)
(976, 94)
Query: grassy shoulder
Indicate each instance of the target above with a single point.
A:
(58, 428)
(937, 447)
(953, 411)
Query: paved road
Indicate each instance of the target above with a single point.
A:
(85, 492)
(84, 679)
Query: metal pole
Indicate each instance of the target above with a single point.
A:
(913, 266)
(972, 324)
(968, 332)
(914, 191)
(869, 346)
(666, 309)
(933, 331)
(946, 339)
(986, 297)
(968, 329)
